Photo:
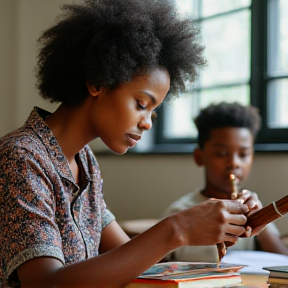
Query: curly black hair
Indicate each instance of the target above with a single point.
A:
(226, 114)
(107, 42)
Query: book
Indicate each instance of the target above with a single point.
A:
(278, 271)
(274, 285)
(278, 280)
(188, 274)
(278, 276)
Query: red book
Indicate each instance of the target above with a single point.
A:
(189, 274)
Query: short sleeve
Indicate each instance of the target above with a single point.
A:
(27, 211)
(107, 218)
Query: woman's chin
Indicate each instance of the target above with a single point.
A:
(119, 151)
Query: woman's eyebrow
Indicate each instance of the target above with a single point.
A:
(153, 100)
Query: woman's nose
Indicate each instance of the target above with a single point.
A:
(146, 122)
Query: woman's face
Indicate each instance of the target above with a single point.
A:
(120, 116)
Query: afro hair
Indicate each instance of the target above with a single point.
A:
(107, 42)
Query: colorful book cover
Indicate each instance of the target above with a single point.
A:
(173, 269)
(189, 274)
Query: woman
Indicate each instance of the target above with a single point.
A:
(109, 64)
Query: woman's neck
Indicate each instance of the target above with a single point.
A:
(66, 123)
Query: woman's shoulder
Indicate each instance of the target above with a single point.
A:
(19, 140)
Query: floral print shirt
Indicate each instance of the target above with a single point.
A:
(43, 212)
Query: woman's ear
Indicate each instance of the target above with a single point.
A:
(198, 156)
(92, 89)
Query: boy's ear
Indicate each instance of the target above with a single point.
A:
(92, 89)
(198, 156)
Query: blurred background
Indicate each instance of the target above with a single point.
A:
(247, 52)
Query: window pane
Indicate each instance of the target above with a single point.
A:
(239, 94)
(188, 6)
(180, 114)
(211, 7)
(277, 36)
(278, 104)
(227, 49)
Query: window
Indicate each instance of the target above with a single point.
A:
(277, 64)
(246, 45)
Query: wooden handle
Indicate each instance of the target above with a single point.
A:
(263, 216)
(268, 213)
(282, 205)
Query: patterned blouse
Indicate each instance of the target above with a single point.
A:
(43, 212)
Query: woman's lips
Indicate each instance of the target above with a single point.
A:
(132, 139)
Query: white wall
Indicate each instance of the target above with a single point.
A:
(141, 186)
(21, 22)
(136, 186)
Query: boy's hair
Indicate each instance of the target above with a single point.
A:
(226, 115)
(107, 42)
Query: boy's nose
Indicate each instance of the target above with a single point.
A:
(235, 161)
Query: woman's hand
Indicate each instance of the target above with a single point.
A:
(211, 222)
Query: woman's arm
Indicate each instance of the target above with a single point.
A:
(112, 236)
(208, 223)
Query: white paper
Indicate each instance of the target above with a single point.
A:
(255, 260)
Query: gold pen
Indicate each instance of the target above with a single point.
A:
(234, 194)
(221, 247)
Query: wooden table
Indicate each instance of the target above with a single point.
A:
(254, 280)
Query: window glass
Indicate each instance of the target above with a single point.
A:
(226, 35)
(227, 49)
(190, 7)
(277, 104)
(179, 116)
(211, 7)
(277, 36)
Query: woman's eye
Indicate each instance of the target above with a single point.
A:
(141, 105)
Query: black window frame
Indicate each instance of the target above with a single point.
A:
(268, 139)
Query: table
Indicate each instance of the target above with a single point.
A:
(254, 280)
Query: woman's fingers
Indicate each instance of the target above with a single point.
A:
(214, 221)
(235, 230)
(235, 207)
(237, 219)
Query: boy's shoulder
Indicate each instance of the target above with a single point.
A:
(186, 201)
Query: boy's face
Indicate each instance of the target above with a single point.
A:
(229, 150)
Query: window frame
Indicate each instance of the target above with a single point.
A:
(268, 139)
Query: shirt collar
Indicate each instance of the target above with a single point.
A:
(37, 124)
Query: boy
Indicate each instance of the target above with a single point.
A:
(226, 134)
